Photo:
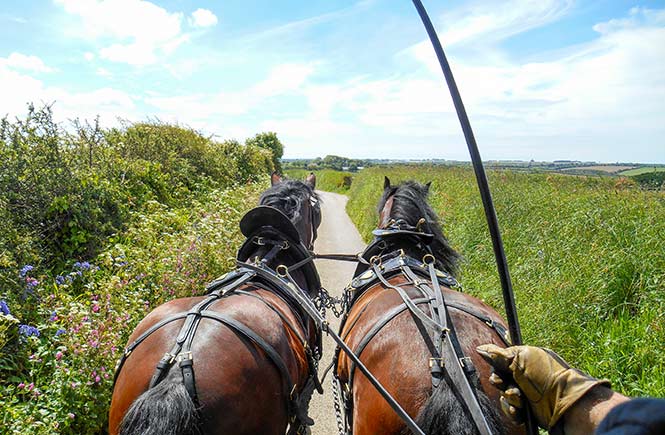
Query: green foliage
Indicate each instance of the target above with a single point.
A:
(326, 179)
(155, 209)
(585, 255)
(62, 194)
(652, 180)
(269, 141)
(328, 162)
(60, 381)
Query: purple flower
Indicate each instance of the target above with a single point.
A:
(82, 265)
(60, 332)
(60, 280)
(28, 331)
(31, 282)
(25, 269)
(54, 317)
(4, 309)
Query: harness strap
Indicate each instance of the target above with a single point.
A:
(167, 320)
(453, 358)
(424, 318)
(390, 315)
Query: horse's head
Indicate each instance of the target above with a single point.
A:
(298, 201)
(407, 202)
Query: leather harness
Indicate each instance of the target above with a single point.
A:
(280, 237)
(384, 261)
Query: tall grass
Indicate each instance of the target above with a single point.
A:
(586, 259)
(326, 179)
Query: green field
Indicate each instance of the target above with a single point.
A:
(642, 170)
(326, 179)
(586, 259)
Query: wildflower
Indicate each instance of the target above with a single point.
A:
(31, 282)
(95, 308)
(30, 386)
(59, 280)
(58, 355)
(54, 317)
(98, 379)
(24, 270)
(28, 331)
(4, 309)
(60, 332)
(71, 416)
(20, 386)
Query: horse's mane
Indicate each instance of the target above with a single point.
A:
(288, 197)
(410, 204)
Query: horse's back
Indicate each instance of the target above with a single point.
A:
(399, 354)
(234, 379)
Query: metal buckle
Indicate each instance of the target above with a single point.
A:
(183, 356)
(436, 361)
(428, 259)
(260, 241)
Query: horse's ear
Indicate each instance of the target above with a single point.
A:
(427, 186)
(275, 178)
(386, 183)
(311, 180)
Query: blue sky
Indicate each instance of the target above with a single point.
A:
(541, 79)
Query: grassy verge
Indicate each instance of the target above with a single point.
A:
(326, 179)
(585, 255)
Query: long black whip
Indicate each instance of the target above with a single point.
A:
(485, 194)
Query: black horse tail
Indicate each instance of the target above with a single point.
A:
(445, 414)
(165, 409)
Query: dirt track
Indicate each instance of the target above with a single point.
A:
(337, 234)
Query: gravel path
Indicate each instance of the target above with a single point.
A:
(337, 234)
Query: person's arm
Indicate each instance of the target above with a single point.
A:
(584, 416)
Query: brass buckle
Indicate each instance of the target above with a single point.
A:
(436, 361)
(183, 356)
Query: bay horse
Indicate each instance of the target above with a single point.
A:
(392, 325)
(243, 359)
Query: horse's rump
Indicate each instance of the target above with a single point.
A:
(227, 365)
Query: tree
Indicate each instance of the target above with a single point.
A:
(269, 141)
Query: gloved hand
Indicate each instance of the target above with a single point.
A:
(549, 384)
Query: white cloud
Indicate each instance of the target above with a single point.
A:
(582, 104)
(202, 18)
(18, 88)
(281, 80)
(89, 56)
(485, 22)
(24, 62)
(103, 72)
(141, 29)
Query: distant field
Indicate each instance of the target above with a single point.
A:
(642, 170)
(610, 169)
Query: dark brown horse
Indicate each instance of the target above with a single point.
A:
(248, 367)
(397, 346)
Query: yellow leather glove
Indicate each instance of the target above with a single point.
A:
(549, 384)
